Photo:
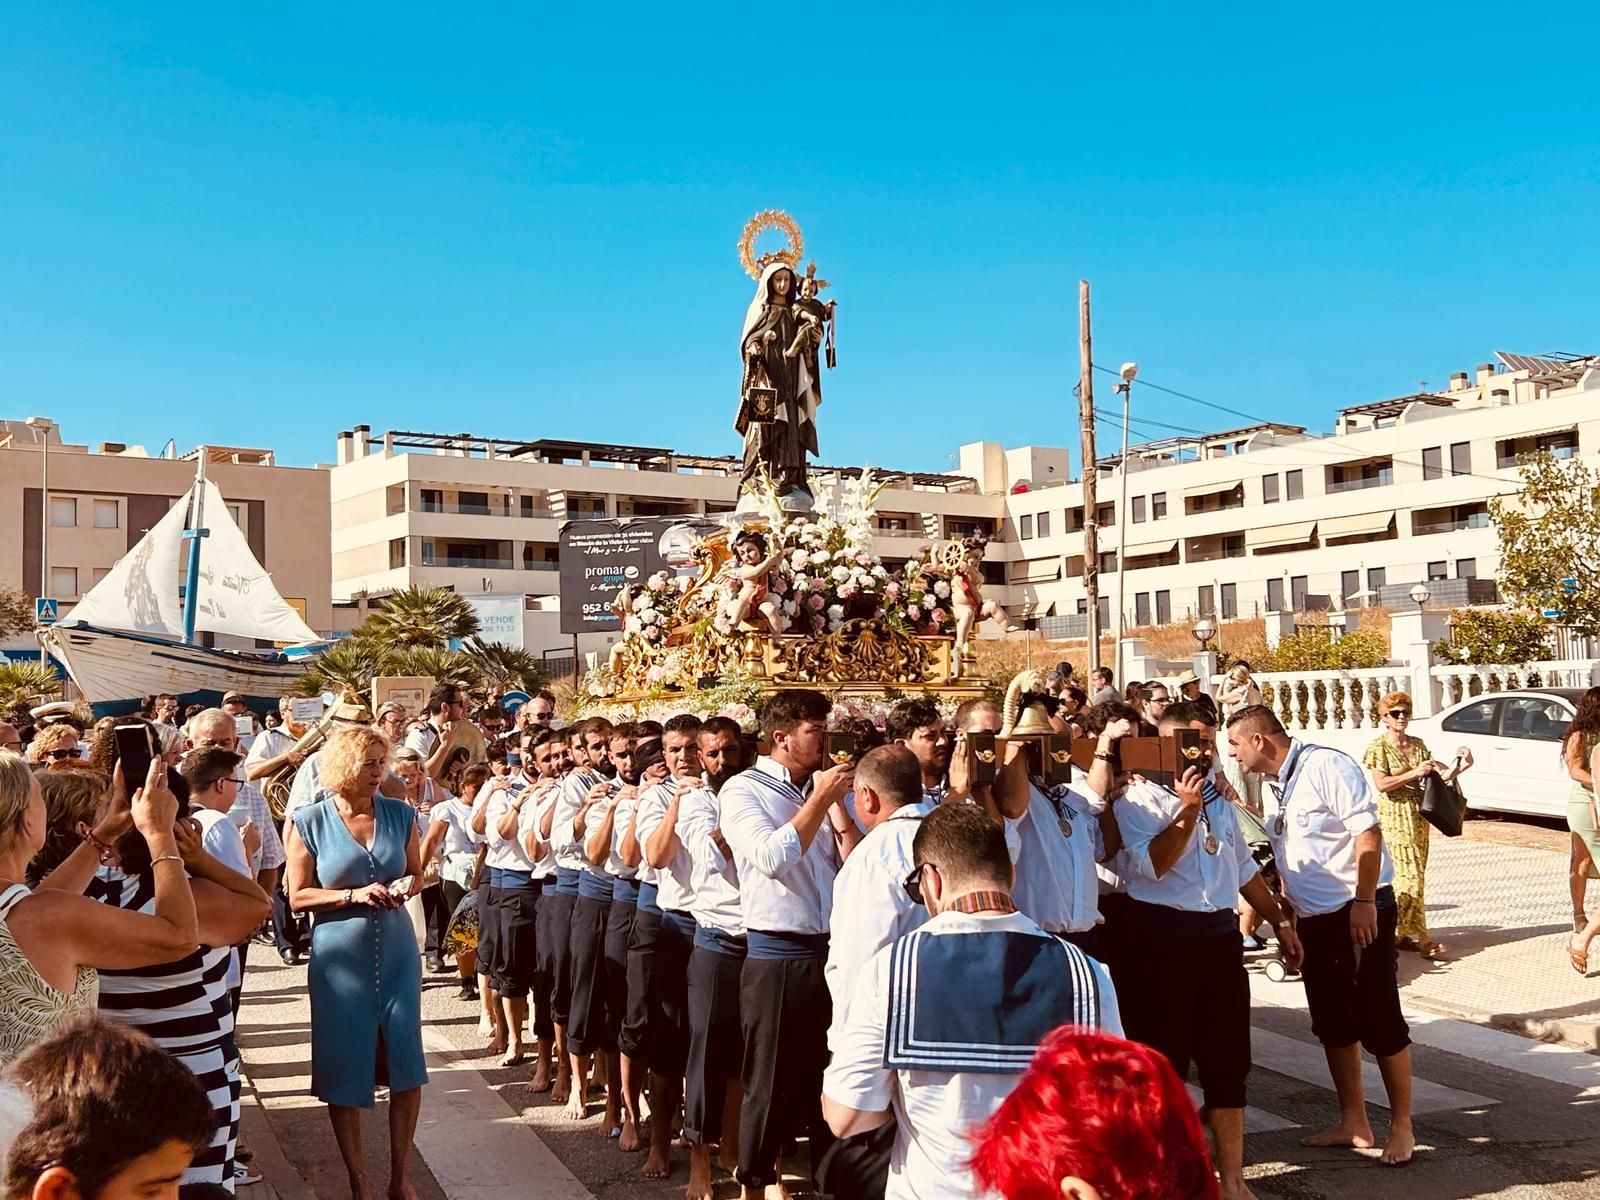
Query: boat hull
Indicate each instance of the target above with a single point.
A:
(114, 670)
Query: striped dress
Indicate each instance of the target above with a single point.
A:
(184, 1008)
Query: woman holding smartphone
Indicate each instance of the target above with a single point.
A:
(53, 939)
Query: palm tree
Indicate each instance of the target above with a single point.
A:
(506, 667)
(25, 683)
(419, 616)
(348, 666)
(444, 666)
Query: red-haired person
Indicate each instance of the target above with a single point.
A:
(1095, 1118)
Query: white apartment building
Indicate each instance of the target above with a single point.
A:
(1273, 518)
(482, 515)
(1265, 518)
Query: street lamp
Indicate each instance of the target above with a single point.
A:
(42, 426)
(1128, 373)
(1421, 594)
(1204, 630)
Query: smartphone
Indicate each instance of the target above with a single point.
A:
(841, 747)
(243, 726)
(136, 749)
(985, 759)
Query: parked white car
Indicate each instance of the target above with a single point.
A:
(1515, 738)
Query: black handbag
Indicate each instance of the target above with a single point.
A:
(1443, 805)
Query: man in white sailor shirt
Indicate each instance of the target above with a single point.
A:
(656, 828)
(940, 1069)
(1187, 864)
(785, 821)
(1062, 832)
(712, 1094)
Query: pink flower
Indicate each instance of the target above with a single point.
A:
(891, 590)
(939, 616)
(846, 591)
(817, 602)
(913, 612)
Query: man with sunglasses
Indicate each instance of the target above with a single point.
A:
(1322, 819)
(1186, 863)
(903, 1051)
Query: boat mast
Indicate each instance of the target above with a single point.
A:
(195, 531)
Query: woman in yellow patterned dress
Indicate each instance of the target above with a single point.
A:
(1399, 763)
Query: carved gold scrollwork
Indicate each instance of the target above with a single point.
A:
(861, 652)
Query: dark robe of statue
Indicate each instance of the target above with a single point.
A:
(777, 448)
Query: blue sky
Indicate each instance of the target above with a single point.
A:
(257, 225)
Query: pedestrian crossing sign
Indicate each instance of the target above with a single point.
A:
(46, 611)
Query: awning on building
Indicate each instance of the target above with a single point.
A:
(1296, 533)
(1208, 489)
(1037, 570)
(1146, 549)
(1356, 526)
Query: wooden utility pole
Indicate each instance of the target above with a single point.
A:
(1091, 528)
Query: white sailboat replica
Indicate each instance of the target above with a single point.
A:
(134, 634)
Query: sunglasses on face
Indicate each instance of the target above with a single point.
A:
(59, 755)
(1399, 712)
(913, 882)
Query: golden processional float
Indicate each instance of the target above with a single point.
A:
(789, 591)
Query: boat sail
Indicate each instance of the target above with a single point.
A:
(133, 634)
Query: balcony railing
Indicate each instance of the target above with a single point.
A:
(1475, 521)
(476, 564)
(1382, 479)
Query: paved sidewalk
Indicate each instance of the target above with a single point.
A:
(1504, 913)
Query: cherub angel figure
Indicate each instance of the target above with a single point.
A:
(966, 596)
(753, 565)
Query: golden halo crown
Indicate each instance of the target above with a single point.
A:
(771, 218)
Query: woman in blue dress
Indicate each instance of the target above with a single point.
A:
(346, 852)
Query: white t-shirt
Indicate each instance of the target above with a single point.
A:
(459, 840)
(935, 1110)
(221, 839)
(1314, 810)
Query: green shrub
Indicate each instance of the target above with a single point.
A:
(1484, 637)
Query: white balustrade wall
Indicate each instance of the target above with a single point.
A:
(1322, 702)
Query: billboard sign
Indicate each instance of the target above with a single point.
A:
(499, 618)
(599, 557)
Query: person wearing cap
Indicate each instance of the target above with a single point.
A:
(1321, 815)
(234, 705)
(1187, 864)
(1191, 688)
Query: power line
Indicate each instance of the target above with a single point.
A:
(1309, 443)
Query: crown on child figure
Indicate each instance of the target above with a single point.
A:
(811, 274)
